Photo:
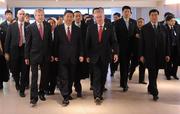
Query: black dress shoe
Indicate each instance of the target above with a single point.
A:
(21, 94)
(79, 95)
(33, 102)
(101, 98)
(125, 89)
(91, 88)
(51, 93)
(65, 102)
(105, 89)
(130, 77)
(42, 97)
(17, 87)
(97, 101)
(27, 87)
(143, 82)
(175, 77)
(70, 97)
(168, 77)
(155, 97)
(1, 86)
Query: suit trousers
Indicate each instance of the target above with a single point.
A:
(67, 72)
(100, 70)
(34, 79)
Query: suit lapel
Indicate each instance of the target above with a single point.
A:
(124, 24)
(96, 33)
(36, 29)
(45, 29)
(16, 28)
(104, 32)
(64, 32)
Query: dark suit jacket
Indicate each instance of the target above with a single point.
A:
(36, 49)
(153, 47)
(103, 50)
(177, 30)
(12, 41)
(83, 28)
(4, 27)
(125, 37)
(68, 51)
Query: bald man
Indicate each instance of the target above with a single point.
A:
(14, 51)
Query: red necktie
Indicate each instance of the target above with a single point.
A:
(41, 31)
(100, 33)
(20, 35)
(69, 34)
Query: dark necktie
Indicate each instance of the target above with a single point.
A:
(100, 33)
(20, 35)
(173, 36)
(69, 34)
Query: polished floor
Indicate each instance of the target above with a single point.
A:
(135, 101)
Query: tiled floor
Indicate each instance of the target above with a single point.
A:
(135, 101)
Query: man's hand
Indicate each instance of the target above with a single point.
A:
(56, 59)
(115, 58)
(88, 59)
(7, 57)
(52, 59)
(142, 59)
(167, 58)
(27, 61)
(81, 59)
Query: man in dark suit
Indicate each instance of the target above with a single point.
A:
(92, 22)
(4, 77)
(135, 55)
(53, 66)
(14, 50)
(68, 51)
(5, 24)
(100, 40)
(154, 50)
(114, 66)
(38, 52)
(82, 67)
(174, 38)
(126, 32)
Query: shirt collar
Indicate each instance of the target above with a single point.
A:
(126, 20)
(66, 26)
(78, 24)
(100, 25)
(20, 23)
(154, 24)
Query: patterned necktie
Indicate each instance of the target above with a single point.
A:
(100, 33)
(41, 31)
(69, 34)
(20, 35)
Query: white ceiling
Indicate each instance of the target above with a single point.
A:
(83, 3)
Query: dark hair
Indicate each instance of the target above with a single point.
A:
(140, 18)
(169, 17)
(59, 17)
(68, 11)
(153, 11)
(95, 9)
(77, 12)
(8, 11)
(101, 8)
(117, 14)
(27, 14)
(51, 19)
(126, 7)
(167, 13)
